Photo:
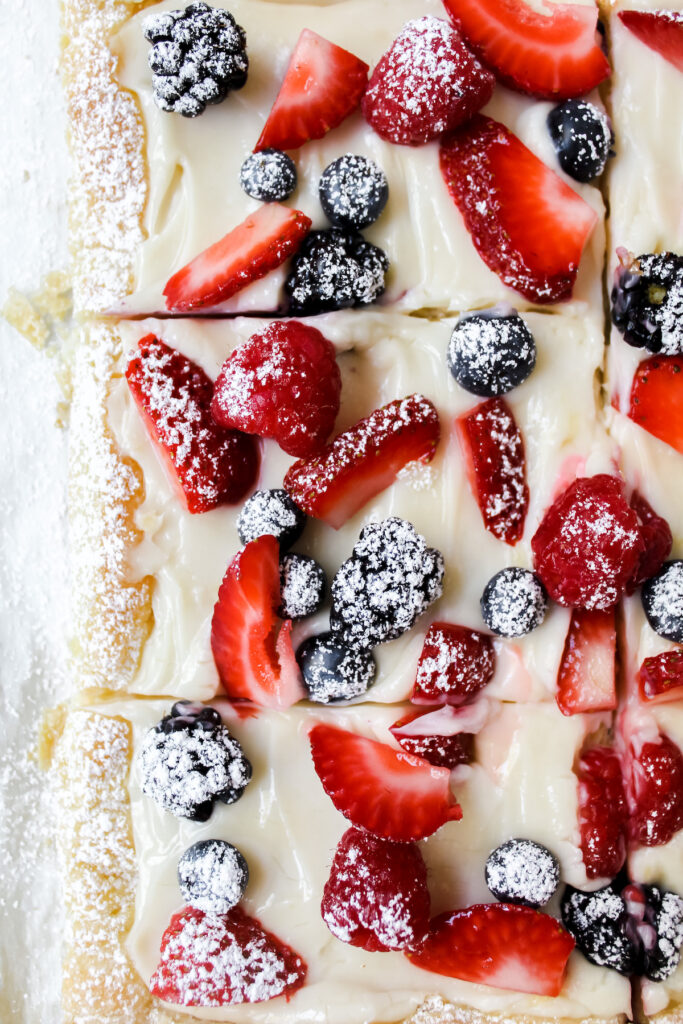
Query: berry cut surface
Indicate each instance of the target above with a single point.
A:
(603, 812)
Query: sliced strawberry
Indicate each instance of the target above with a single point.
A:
(211, 465)
(376, 896)
(455, 663)
(221, 960)
(553, 55)
(493, 449)
(365, 459)
(255, 662)
(660, 30)
(660, 678)
(251, 250)
(498, 944)
(657, 399)
(655, 792)
(588, 544)
(427, 83)
(442, 749)
(603, 814)
(658, 540)
(283, 383)
(323, 85)
(386, 791)
(586, 680)
(527, 225)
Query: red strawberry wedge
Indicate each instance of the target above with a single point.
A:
(255, 662)
(660, 30)
(322, 86)
(427, 83)
(528, 226)
(657, 399)
(603, 814)
(498, 944)
(436, 743)
(392, 794)
(364, 460)
(455, 663)
(222, 960)
(553, 55)
(655, 791)
(586, 680)
(250, 251)
(211, 465)
(493, 449)
(660, 678)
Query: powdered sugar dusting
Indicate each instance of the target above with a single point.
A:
(663, 601)
(521, 871)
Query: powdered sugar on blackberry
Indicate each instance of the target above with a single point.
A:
(669, 935)
(335, 270)
(302, 586)
(665, 270)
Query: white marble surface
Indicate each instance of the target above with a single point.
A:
(33, 609)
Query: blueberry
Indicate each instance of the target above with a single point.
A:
(269, 176)
(213, 876)
(353, 191)
(582, 137)
(271, 512)
(598, 922)
(302, 586)
(333, 671)
(662, 598)
(521, 871)
(335, 269)
(647, 301)
(491, 352)
(514, 602)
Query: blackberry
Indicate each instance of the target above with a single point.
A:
(189, 760)
(335, 269)
(600, 925)
(514, 602)
(353, 191)
(491, 352)
(662, 947)
(582, 137)
(390, 579)
(213, 876)
(271, 512)
(332, 671)
(269, 176)
(662, 598)
(521, 871)
(647, 301)
(198, 56)
(302, 587)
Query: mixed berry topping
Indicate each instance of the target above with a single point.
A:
(654, 775)
(189, 760)
(284, 384)
(269, 176)
(514, 602)
(333, 671)
(390, 579)
(271, 512)
(662, 598)
(302, 586)
(455, 664)
(427, 83)
(376, 896)
(582, 137)
(660, 678)
(647, 301)
(586, 678)
(433, 743)
(213, 876)
(198, 56)
(521, 871)
(335, 269)
(353, 191)
(598, 921)
(603, 812)
(491, 352)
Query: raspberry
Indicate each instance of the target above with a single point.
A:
(602, 813)
(656, 534)
(656, 792)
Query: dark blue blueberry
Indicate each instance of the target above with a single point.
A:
(213, 876)
(302, 586)
(332, 671)
(521, 871)
(662, 598)
(353, 191)
(271, 512)
(269, 176)
(647, 299)
(335, 269)
(491, 352)
(582, 137)
(599, 923)
(514, 602)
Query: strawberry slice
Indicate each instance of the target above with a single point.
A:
(493, 448)
(455, 663)
(389, 793)
(527, 225)
(603, 814)
(250, 251)
(365, 459)
(212, 466)
(255, 662)
(660, 678)
(657, 399)
(554, 55)
(586, 680)
(660, 30)
(221, 960)
(655, 791)
(321, 87)
(498, 944)
(657, 538)
(436, 743)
